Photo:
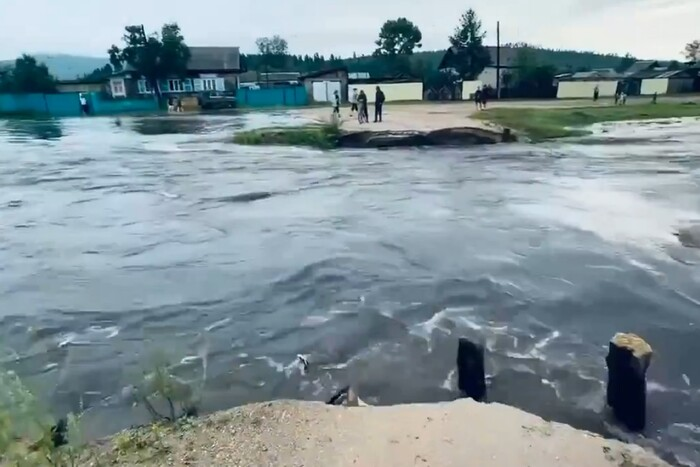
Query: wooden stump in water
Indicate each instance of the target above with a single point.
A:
(628, 359)
(471, 377)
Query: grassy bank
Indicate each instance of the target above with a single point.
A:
(324, 136)
(541, 124)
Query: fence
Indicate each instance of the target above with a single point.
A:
(272, 97)
(68, 104)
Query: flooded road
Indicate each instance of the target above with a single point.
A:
(124, 239)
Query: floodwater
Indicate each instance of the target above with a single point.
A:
(125, 239)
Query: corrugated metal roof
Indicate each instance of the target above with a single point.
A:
(214, 58)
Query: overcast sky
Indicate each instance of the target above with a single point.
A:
(645, 28)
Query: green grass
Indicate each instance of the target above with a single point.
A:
(540, 124)
(322, 136)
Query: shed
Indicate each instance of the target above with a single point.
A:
(669, 82)
(398, 88)
(321, 85)
(582, 85)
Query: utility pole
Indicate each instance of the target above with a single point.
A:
(498, 59)
(143, 34)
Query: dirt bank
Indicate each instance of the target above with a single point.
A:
(286, 433)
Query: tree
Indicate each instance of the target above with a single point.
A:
(398, 37)
(273, 51)
(692, 51)
(625, 62)
(27, 76)
(99, 74)
(154, 57)
(471, 57)
(531, 79)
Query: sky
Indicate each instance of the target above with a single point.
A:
(645, 28)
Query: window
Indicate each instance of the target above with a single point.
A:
(144, 87)
(175, 85)
(209, 84)
(118, 89)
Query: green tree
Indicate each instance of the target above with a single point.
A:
(692, 51)
(398, 37)
(155, 56)
(99, 73)
(531, 78)
(273, 52)
(27, 76)
(472, 57)
(625, 62)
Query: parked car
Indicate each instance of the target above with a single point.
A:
(216, 100)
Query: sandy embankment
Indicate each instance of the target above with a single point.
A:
(460, 434)
(407, 117)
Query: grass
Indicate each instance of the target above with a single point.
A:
(540, 124)
(321, 136)
(30, 437)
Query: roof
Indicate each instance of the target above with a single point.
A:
(593, 75)
(214, 59)
(275, 76)
(508, 58)
(644, 65)
(205, 59)
(80, 81)
(316, 74)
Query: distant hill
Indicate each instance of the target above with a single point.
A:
(562, 60)
(66, 66)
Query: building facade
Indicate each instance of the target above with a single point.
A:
(210, 69)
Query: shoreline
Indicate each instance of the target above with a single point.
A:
(313, 434)
(461, 125)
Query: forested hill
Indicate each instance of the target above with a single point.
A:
(424, 62)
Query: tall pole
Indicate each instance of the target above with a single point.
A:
(498, 59)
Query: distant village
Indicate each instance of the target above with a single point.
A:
(221, 77)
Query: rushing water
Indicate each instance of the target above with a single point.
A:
(122, 239)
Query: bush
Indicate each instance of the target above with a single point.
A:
(165, 388)
(28, 435)
(323, 136)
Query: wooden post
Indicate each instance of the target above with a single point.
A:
(628, 359)
(471, 377)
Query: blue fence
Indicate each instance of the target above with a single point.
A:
(101, 106)
(272, 97)
(68, 104)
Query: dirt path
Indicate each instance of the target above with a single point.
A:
(429, 116)
(456, 434)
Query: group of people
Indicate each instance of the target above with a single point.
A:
(620, 95)
(358, 103)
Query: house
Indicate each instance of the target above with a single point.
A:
(80, 85)
(321, 85)
(649, 77)
(209, 69)
(582, 85)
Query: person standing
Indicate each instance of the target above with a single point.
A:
(596, 93)
(379, 99)
(362, 115)
(336, 103)
(84, 107)
(477, 98)
(353, 102)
